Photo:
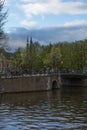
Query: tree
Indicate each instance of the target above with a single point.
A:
(52, 57)
(16, 60)
(30, 55)
(3, 16)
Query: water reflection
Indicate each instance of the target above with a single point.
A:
(61, 109)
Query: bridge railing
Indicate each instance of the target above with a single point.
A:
(46, 71)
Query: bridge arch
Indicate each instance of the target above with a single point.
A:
(54, 84)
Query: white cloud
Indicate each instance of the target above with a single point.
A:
(38, 7)
(7, 2)
(29, 23)
(15, 43)
(12, 15)
(35, 1)
(76, 23)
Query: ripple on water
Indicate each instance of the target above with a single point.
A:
(44, 111)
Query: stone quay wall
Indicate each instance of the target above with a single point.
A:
(29, 83)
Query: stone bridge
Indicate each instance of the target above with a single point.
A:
(73, 79)
(40, 82)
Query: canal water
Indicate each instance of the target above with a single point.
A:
(62, 109)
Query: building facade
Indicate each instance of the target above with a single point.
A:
(5, 64)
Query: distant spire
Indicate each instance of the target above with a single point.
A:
(31, 40)
(27, 41)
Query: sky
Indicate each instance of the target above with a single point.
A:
(46, 20)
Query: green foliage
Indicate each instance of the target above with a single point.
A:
(16, 60)
(71, 56)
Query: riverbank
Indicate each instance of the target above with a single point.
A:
(29, 83)
(41, 82)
